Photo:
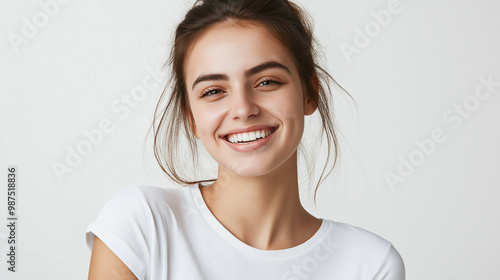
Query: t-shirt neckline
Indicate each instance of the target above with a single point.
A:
(247, 249)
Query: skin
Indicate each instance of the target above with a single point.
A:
(256, 194)
(105, 265)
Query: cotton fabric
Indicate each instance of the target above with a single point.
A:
(169, 233)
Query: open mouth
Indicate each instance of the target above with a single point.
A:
(249, 137)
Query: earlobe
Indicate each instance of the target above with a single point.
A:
(310, 105)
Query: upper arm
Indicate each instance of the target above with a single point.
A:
(104, 264)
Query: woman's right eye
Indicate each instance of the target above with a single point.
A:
(210, 92)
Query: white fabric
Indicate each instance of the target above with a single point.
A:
(169, 233)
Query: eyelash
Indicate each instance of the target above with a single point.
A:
(208, 90)
(269, 80)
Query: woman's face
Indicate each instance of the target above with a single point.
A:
(241, 78)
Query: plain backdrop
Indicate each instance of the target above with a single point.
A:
(419, 148)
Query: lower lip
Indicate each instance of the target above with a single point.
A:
(252, 146)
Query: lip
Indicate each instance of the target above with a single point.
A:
(247, 129)
(250, 147)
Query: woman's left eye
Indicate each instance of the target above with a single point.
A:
(268, 83)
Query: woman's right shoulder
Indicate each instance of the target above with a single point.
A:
(134, 211)
(150, 199)
(149, 194)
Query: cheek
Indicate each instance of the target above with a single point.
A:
(290, 106)
(208, 120)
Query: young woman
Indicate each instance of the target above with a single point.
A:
(244, 78)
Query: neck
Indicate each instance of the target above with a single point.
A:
(264, 212)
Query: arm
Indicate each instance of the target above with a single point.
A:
(104, 264)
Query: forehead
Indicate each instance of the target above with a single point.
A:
(232, 47)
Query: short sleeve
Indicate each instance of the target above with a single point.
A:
(393, 267)
(124, 226)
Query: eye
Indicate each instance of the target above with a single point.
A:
(268, 82)
(210, 92)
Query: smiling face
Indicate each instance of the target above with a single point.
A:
(240, 78)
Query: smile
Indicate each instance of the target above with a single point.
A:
(248, 137)
(253, 143)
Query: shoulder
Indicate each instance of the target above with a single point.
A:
(148, 197)
(147, 204)
(137, 209)
(371, 250)
(392, 266)
(354, 235)
(144, 192)
(129, 202)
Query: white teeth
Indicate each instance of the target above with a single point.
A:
(249, 136)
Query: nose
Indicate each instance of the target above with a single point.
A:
(243, 104)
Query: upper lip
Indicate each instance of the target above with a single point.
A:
(248, 129)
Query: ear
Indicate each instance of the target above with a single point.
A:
(311, 105)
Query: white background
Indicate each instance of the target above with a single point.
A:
(72, 69)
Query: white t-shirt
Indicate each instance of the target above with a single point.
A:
(169, 233)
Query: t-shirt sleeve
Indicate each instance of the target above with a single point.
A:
(392, 268)
(124, 226)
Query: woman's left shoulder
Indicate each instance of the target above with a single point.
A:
(355, 235)
(369, 248)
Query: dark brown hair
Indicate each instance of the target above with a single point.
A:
(282, 18)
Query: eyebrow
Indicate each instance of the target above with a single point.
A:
(248, 73)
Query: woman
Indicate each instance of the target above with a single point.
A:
(244, 78)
